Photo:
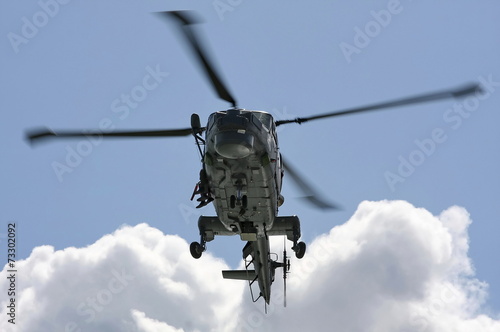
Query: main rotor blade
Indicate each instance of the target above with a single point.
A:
(44, 133)
(310, 194)
(186, 19)
(452, 93)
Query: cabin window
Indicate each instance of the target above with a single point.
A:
(265, 118)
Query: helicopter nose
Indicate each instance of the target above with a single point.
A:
(234, 144)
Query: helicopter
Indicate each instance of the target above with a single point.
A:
(243, 169)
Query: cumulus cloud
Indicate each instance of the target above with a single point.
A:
(391, 267)
(136, 279)
(151, 325)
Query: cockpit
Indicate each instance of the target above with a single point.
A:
(230, 119)
(237, 133)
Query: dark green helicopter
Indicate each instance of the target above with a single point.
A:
(243, 170)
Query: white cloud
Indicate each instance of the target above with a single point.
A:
(135, 279)
(391, 267)
(151, 325)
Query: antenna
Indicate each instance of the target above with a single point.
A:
(286, 268)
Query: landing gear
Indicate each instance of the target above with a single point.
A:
(300, 249)
(196, 249)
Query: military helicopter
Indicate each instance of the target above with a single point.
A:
(242, 170)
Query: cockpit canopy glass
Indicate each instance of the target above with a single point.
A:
(265, 118)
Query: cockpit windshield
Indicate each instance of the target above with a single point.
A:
(265, 118)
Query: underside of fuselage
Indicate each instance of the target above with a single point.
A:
(259, 264)
(245, 194)
(243, 170)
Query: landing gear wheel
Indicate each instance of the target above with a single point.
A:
(300, 250)
(196, 250)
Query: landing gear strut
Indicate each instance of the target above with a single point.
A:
(300, 249)
(197, 249)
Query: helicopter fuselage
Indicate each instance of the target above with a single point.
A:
(244, 170)
(242, 176)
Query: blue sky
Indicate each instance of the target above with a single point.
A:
(74, 69)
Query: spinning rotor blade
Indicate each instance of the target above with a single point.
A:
(43, 133)
(186, 19)
(310, 194)
(452, 93)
